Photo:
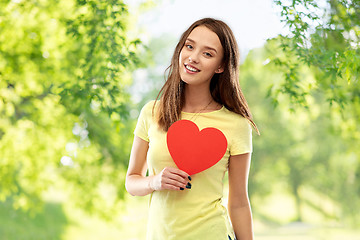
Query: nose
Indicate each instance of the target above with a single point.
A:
(194, 58)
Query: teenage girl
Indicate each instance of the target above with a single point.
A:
(202, 86)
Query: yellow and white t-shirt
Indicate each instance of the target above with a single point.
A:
(195, 213)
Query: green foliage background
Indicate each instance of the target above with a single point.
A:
(67, 114)
(64, 67)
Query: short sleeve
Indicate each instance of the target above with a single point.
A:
(242, 137)
(143, 123)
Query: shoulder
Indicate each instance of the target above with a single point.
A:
(237, 125)
(236, 119)
(148, 107)
(147, 110)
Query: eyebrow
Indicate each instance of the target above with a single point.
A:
(207, 47)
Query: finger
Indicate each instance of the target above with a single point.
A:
(174, 183)
(179, 172)
(172, 187)
(180, 179)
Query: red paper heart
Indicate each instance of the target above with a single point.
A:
(192, 150)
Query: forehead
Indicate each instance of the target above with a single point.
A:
(203, 36)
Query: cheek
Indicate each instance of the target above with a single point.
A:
(214, 66)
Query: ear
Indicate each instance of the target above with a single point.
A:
(220, 69)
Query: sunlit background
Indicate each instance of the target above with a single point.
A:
(75, 74)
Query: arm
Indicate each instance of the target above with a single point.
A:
(239, 205)
(137, 184)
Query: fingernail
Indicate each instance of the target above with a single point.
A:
(181, 188)
(188, 185)
(189, 178)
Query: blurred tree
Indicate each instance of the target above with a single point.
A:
(64, 67)
(149, 79)
(325, 36)
(300, 151)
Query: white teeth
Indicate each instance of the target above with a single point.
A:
(191, 69)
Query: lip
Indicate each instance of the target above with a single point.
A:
(188, 71)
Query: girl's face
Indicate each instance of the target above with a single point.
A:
(201, 57)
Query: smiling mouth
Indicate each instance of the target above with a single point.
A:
(191, 69)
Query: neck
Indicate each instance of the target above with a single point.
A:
(197, 98)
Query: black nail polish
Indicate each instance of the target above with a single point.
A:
(188, 185)
(181, 188)
(189, 178)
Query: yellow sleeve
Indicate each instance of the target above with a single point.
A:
(241, 140)
(143, 123)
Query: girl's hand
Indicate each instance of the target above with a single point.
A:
(171, 179)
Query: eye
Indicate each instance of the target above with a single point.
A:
(189, 46)
(207, 54)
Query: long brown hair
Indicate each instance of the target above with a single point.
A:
(224, 87)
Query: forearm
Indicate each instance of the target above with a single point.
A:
(138, 185)
(241, 219)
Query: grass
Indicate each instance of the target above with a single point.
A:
(60, 221)
(47, 225)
